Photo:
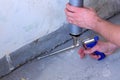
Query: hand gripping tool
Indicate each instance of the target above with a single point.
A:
(90, 43)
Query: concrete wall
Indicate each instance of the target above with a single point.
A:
(105, 8)
(23, 21)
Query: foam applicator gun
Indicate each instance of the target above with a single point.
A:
(90, 43)
(75, 30)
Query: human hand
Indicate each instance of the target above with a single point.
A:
(106, 47)
(83, 17)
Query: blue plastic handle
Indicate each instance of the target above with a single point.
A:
(102, 55)
(92, 44)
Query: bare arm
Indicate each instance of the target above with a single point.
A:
(108, 30)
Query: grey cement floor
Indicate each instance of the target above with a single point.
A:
(68, 66)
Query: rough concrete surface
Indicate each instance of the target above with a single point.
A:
(68, 66)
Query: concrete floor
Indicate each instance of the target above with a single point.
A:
(68, 66)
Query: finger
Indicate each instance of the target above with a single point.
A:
(70, 19)
(92, 50)
(68, 13)
(72, 8)
(81, 53)
(94, 56)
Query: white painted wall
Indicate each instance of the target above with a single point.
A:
(22, 21)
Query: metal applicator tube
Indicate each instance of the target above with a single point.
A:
(75, 30)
